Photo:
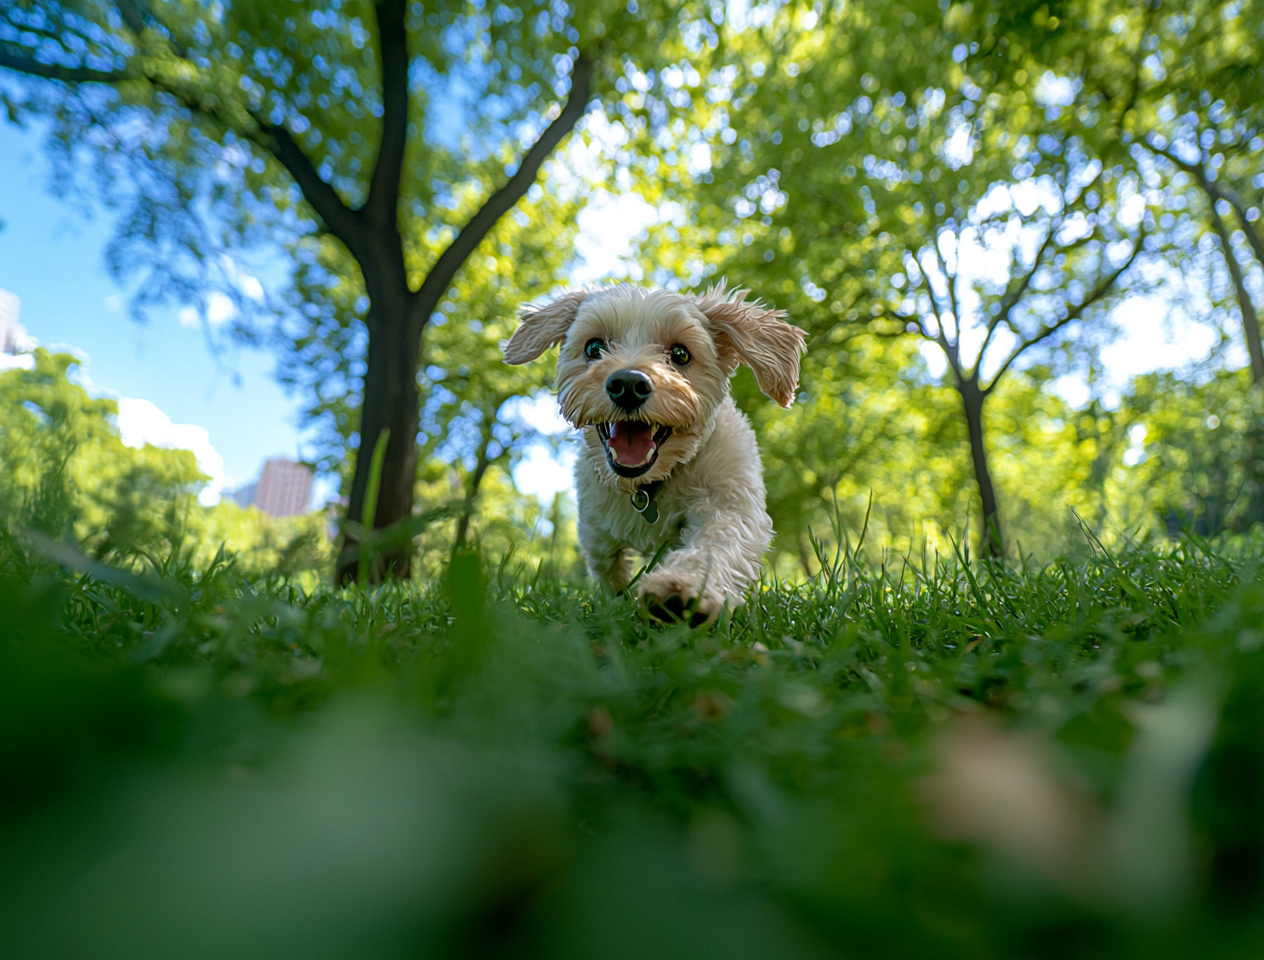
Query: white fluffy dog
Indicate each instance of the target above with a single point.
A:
(668, 456)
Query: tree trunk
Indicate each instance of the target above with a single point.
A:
(397, 316)
(391, 402)
(1252, 234)
(1253, 461)
(972, 399)
(1250, 320)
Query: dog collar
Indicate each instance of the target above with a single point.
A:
(643, 501)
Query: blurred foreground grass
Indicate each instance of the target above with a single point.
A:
(909, 760)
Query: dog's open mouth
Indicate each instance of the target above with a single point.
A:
(632, 445)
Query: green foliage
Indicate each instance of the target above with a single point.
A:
(1199, 446)
(68, 475)
(923, 759)
(990, 178)
(193, 102)
(848, 161)
(354, 156)
(66, 472)
(471, 421)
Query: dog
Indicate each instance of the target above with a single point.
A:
(668, 457)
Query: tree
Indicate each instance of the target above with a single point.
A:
(1194, 468)
(471, 416)
(1183, 78)
(1189, 77)
(887, 181)
(224, 127)
(68, 475)
(1180, 85)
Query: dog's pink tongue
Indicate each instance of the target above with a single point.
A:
(631, 442)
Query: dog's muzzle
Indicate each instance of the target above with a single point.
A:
(632, 445)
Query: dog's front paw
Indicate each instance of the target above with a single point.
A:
(673, 595)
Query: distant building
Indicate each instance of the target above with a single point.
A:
(245, 496)
(13, 336)
(284, 488)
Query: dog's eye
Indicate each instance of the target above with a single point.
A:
(679, 355)
(593, 348)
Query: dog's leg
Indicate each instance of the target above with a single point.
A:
(727, 527)
(724, 539)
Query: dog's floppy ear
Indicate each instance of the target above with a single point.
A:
(758, 337)
(542, 325)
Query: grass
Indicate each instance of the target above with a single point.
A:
(908, 758)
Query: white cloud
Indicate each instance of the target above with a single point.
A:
(1073, 390)
(699, 159)
(141, 422)
(959, 151)
(21, 361)
(251, 286)
(1136, 449)
(1054, 91)
(1151, 338)
(543, 470)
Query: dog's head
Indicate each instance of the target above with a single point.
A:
(643, 371)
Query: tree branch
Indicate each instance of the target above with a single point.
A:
(950, 281)
(134, 13)
(131, 16)
(903, 319)
(382, 205)
(1215, 193)
(275, 138)
(339, 218)
(503, 200)
(951, 350)
(1100, 291)
(324, 199)
(1014, 294)
(1137, 59)
(1195, 170)
(51, 71)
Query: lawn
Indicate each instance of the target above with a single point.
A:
(900, 757)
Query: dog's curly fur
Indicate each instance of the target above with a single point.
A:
(711, 501)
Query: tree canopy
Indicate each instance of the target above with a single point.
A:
(376, 145)
(951, 197)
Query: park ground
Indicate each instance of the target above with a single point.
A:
(908, 756)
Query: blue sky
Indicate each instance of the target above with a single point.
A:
(51, 257)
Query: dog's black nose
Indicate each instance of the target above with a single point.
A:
(628, 389)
